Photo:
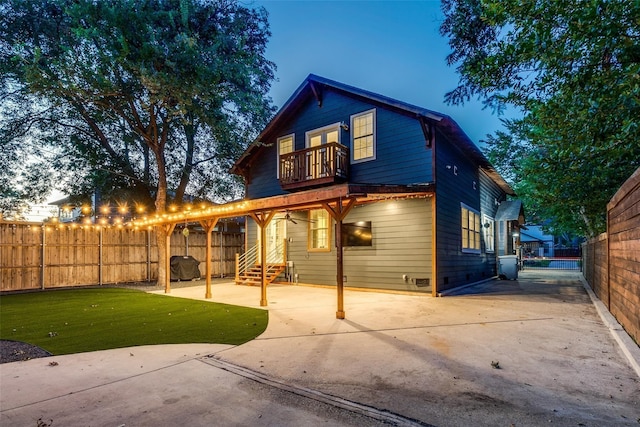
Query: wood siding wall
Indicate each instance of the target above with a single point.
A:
(612, 262)
(401, 153)
(33, 257)
(401, 246)
(458, 180)
(595, 259)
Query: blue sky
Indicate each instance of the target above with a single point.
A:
(393, 48)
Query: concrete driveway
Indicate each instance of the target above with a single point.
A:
(526, 353)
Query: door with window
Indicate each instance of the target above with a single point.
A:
(275, 234)
(318, 162)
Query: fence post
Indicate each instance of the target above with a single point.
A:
(100, 256)
(148, 255)
(42, 256)
(237, 268)
(220, 262)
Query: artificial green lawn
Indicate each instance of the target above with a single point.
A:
(79, 320)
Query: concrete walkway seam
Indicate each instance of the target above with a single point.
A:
(629, 348)
(368, 411)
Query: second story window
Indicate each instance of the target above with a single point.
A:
(363, 134)
(285, 146)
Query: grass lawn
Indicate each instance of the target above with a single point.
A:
(79, 320)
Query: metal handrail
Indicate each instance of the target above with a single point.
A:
(251, 255)
(248, 258)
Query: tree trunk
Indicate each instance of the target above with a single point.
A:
(161, 207)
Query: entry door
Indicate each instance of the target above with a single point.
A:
(276, 232)
(317, 160)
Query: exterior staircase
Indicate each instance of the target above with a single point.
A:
(252, 276)
(249, 267)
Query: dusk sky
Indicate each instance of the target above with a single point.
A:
(392, 48)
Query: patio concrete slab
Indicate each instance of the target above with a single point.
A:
(525, 353)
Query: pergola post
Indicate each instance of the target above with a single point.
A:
(208, 226)
(263, 219)
(338, 214)
(168, 229)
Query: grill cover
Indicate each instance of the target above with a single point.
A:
(184, 268)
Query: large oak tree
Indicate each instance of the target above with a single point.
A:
(572, 68)
(148, 99)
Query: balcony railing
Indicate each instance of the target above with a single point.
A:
(313, 167)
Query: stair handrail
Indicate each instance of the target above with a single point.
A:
(250, 258)
(277, 254)
(247, 260)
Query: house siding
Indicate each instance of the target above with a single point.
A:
(399, 141)
(454, 267)
(401, 246)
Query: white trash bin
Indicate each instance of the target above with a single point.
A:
(508, 267)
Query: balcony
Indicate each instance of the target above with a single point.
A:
(314, 167)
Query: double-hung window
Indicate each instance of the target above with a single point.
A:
(470, 229)
(285, 146)
(319, 226)
(363, 134)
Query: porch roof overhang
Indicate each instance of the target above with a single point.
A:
(309, 199)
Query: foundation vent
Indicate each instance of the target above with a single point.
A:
(421, 283)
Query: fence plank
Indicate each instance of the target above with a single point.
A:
(72, 254)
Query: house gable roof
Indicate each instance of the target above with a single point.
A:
(315, 86)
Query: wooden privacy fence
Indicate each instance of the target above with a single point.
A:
(37, 256)
(612, 260)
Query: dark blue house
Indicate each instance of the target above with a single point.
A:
(379, 194)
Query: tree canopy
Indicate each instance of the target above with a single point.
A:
(572, 68)
(140, 99)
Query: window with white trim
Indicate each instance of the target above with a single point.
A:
(489, 232)
(285, 146)
(363, 136)
(470, 229)
(319, 226)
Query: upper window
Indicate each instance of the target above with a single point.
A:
(363, 134)
(319, 224)
(488, 229)
(285, 146)
(470, 229)
(324, 135)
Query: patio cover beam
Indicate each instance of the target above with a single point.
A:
(309, 199)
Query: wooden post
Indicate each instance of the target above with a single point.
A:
(100, 256)
(208, 226)
(237, 268)
(43, 253)
(340, 314)
(168, 228)
(338, 214)
(263, 265)
(263, 219)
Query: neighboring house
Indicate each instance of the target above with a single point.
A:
(536, 242)
(424, 212)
